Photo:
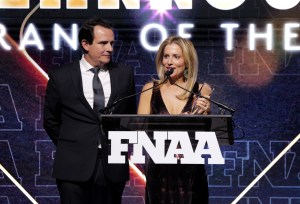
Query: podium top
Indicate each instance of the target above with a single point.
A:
(162, 116)
(220, 124)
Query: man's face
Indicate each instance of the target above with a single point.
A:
(99, 52)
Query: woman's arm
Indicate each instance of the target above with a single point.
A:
(144, 106)
(202, 104)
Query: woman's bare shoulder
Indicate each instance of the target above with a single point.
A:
(148, 85)
(205, 88)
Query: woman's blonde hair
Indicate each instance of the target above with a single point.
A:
(190, 58)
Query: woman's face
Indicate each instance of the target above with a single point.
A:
(173, 59)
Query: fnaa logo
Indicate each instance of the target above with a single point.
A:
(165, 147)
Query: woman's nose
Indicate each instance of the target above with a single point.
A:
(170, 61)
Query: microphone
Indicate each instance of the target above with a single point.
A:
(107, 108)
(169, 72)
(220, 105)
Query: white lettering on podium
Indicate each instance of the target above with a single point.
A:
(179, 144)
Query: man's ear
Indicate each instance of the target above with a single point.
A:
(85, 45)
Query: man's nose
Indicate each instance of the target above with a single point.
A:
(109, 47)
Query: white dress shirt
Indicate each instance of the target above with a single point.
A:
(87, 82)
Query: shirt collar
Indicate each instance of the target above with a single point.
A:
(84, 64)
(87, 66)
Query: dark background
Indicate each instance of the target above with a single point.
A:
(263, 86)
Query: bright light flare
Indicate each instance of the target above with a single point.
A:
(159, 10)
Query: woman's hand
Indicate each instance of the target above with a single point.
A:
(201, 106)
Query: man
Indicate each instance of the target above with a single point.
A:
(72, 119)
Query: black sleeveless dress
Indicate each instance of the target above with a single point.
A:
(174, 183)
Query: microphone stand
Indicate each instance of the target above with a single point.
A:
(220, 105)
(104, 110)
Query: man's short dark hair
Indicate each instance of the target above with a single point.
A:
(87, 29)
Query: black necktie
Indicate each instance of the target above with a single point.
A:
(98, 90)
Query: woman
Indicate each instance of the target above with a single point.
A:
(178, 183)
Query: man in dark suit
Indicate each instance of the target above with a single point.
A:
(82, 172)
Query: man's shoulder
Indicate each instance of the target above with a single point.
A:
(69, 65)
(116, 65)
(63, 68)
(120, 67)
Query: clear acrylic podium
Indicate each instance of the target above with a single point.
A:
(220, 124)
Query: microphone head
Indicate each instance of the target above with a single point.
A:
(169, 72)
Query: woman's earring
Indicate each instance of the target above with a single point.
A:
(185, 74)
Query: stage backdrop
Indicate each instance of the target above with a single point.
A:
(249, 52)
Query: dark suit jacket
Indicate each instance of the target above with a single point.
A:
(74, 127)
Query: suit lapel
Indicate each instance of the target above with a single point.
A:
(77, 83)
(113, 81)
